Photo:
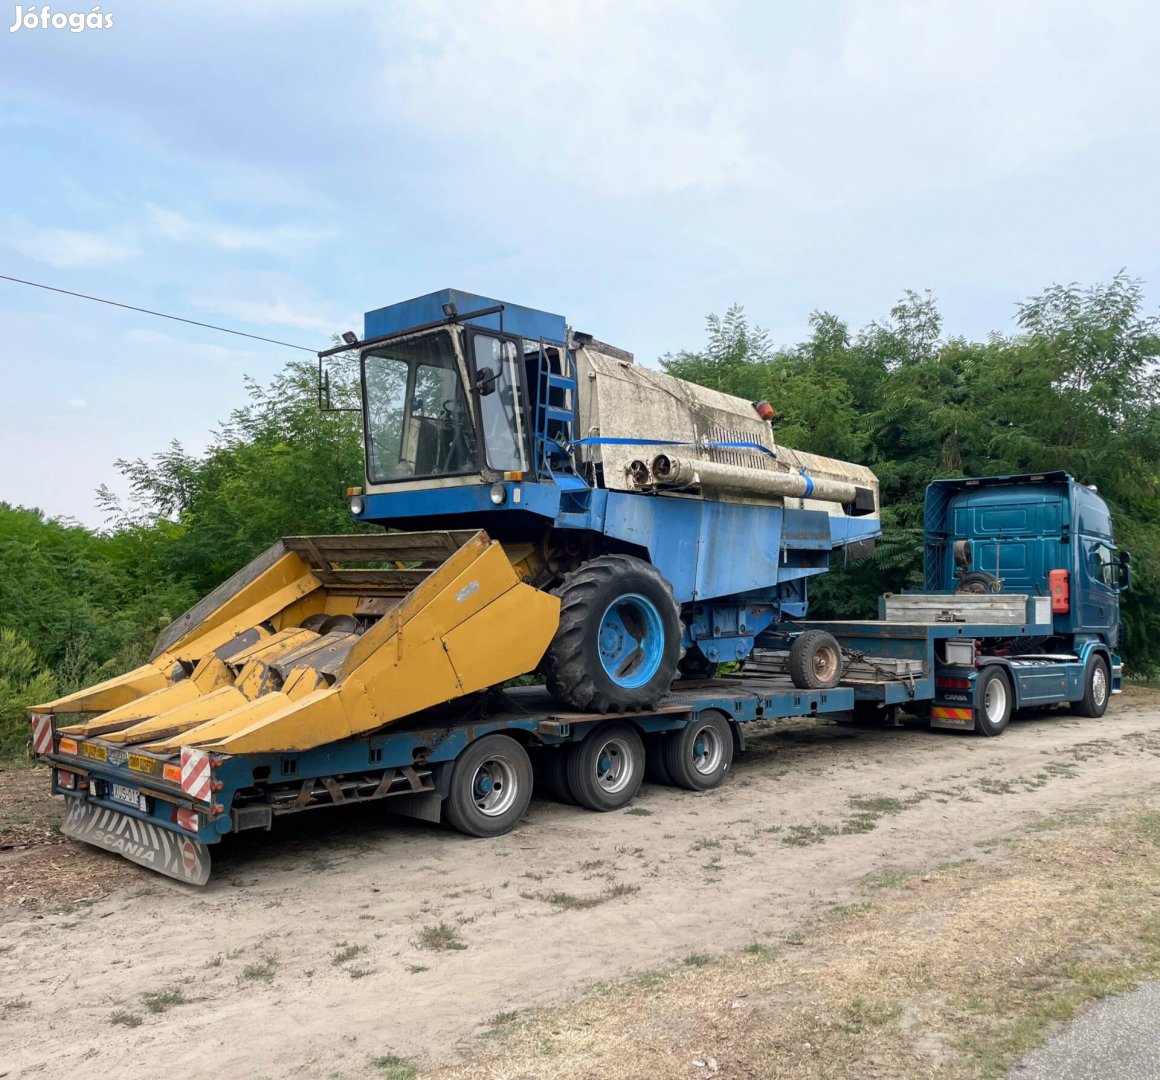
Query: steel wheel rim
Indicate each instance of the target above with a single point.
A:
(1099, 687)
(614, 766)
(825, 664)
(995, 700)
(494, 786)
(707, 750)
(631, 640)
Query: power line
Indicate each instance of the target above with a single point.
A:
(158, 314)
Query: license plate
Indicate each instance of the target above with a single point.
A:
(129, 796)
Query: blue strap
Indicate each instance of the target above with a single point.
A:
(610, 441)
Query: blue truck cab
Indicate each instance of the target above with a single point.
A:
(1020, 608)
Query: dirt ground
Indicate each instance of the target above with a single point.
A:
(344, 944)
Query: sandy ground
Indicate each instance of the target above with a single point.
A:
(305, 955)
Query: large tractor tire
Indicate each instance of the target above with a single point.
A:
(619, 638)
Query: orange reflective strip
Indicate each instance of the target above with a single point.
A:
(946, 712)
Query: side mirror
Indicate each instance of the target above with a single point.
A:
(485, 382)
(1125, 558)
(1125, 561)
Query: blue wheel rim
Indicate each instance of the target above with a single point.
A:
(631, 640)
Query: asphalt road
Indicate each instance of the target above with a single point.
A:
(1116, 1039)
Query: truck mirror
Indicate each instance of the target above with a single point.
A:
(1125, 558)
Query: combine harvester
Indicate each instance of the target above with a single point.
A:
(567, 511)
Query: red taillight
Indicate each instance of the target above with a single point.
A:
(953, 684)
(190, 820)
(1057, 583)
(66, 780)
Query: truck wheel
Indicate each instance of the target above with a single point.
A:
(655, 769)
(619, 637)
(699, 755)
(815, 660)
(491, 786)
(979, 581)
(992, 702)
(1096, 689)
(605, 770)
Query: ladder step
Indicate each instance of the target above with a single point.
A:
(563, 416)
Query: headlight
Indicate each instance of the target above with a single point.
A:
(498, 494)
(356, 505)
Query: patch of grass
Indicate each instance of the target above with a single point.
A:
(639, 811)
(392, 1067)
(567, 901)
(359, 972)
(261, 970)
(696, 960)
(346, 952)
(761, 950)
(706, 842)
(214, 961)
(15, 1003)
(416, 969)
(441, 938)
(125, 1019)
(158, 1001)
(860, 1014)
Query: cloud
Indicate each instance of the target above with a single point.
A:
(178, 228)
(70, 249)
(77, 403)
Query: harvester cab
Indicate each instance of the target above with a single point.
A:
(538, 501)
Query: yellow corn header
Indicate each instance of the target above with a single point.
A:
(326, 637)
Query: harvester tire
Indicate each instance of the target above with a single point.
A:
(491, 786)
(619, 638)
(606, 769)
(815, 660)
(699, 755)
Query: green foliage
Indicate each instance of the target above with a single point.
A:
(23, 682)
(1075, 388)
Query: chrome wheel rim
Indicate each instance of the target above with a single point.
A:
(494, 787)
(1099, 687)
(614, 766)
(707, 750)
(995, 701)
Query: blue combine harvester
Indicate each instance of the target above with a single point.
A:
(547, 504)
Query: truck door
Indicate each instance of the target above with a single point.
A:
(1098, 600)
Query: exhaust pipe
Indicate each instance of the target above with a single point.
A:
(670, 471)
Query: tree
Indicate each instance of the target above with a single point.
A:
(23, 682)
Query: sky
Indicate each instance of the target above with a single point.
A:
(282, 168)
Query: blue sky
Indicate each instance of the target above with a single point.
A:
(283, 167)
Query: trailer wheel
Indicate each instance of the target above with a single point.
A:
(699, 755)
(656, 771)
(993, 701)
(491, 786)
(619, 637)
(1096, 689)
(606, 769)
(815, 660)
(554, 774)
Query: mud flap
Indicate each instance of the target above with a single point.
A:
(179, 857)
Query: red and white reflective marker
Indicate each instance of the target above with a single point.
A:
(189, 820)
(42, 733)
(189, 856)
(196, 774)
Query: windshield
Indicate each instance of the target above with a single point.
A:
(417, 419)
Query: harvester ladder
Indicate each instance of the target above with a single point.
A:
(555, 411)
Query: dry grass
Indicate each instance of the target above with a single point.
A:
(46, 871)
(957, 971)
